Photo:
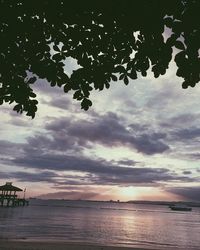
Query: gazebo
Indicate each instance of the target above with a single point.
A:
(8, 194)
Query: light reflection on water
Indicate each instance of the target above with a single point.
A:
(102, 223)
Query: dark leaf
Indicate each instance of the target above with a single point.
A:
(114, 78)
(100, 37)
(126, 81)
(119, 69)
(67, 88)
(32, 80)
(179, 45)
(17, 107)
(57, 57)
(85, 104)
(144, 73)
(133, 74)
(77, 94)
(107, 85)
(33, 95)
(121, 76)
(56, 48)
(168, 21)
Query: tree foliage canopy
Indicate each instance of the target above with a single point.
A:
(110, 40)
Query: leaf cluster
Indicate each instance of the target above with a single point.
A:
(101, 36)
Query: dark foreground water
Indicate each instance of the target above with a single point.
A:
(102, 223)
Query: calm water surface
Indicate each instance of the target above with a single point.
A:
(102, 223)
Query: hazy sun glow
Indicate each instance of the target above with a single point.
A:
(129, 193)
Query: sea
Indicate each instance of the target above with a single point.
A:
(102, 223)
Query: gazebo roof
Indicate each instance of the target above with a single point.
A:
(9, 187)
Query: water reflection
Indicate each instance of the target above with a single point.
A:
(109, 224)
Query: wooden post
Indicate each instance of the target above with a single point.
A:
(2, 198)
(14, 199)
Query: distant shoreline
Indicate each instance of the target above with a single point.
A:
(160, 203)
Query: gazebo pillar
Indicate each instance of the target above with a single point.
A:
(13, 200)
(2, 197)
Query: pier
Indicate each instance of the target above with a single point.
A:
(9, 198)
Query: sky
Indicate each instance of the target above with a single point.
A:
(137, 142)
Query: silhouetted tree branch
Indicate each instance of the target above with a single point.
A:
(37, 36)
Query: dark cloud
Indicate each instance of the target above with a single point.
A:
(19, 122)
(191, 156)
(185, 118)
(97, 171)
(10, 149)
(139, 177)
(62, 103)
(75, 195)
(40, 176)
(187, 134)
(126, 162)
(187, 193)
(180, 120)
(150, 144)
(59, 149)
(59, 101)
(72, 187)
(108, 130)
(162, 99)
(44, 143)
(137, 127)
(59, 181)
(5, 175)
(195, 156)
(187, 172)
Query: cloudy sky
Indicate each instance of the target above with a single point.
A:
(139, 141)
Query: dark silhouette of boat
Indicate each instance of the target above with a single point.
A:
(180, 208)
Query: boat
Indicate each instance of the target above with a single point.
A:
(180, 208)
